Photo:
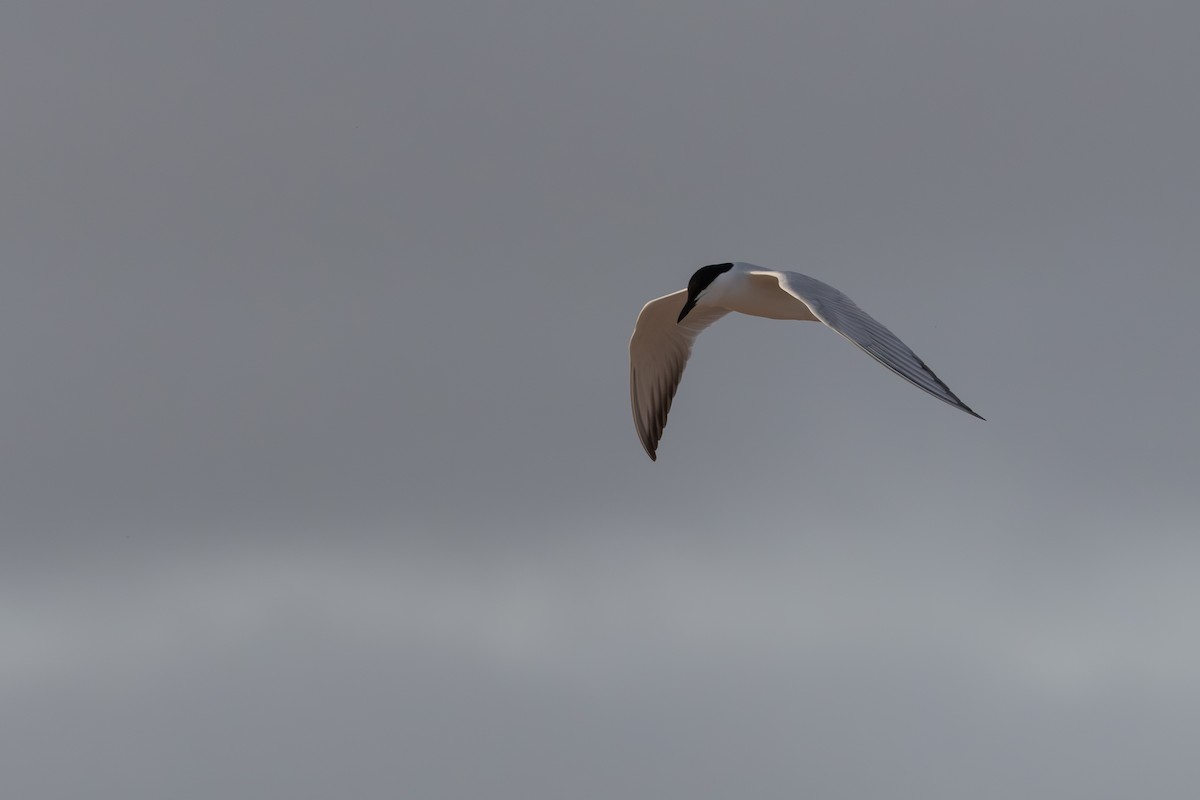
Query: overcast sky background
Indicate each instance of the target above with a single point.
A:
(318, 477)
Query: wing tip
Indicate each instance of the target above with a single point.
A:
(651, 447)
(953, 397)
(959, 404)
(971, 411)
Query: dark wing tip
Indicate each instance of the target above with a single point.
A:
(969, 410)
(646, 433)
(957, 402)
(650, 443)
(953, 397)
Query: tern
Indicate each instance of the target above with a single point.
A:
(667, 327)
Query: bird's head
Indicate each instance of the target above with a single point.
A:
(699, 283)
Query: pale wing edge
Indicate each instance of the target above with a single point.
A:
(658, 353)
(843, 315)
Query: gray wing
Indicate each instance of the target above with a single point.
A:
(840, 313)
(658, 352)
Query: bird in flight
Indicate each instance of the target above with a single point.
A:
(667, 327)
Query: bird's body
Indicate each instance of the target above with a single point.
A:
(667, 327)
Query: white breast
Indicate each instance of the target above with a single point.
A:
(756, 295)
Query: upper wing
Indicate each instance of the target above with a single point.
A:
(658, 352)
(840, 313)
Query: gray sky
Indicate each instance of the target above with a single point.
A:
(318, 474)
